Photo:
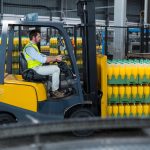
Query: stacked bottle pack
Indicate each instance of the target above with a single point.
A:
(79, 53)
(54, 48)
(128, 110)
(128, 88)
(15, 53)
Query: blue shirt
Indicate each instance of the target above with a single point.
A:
(35, 55)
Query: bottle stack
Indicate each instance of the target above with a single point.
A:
(128, 88)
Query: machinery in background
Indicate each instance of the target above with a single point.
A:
(137, 42)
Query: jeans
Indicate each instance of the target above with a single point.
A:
(51, 70)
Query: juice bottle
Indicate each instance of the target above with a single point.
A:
(121, 91)
(122, 71)
(128, 91)
(146, 109)
(141, 71)
(115, 91)
(147, 71)
(134, 70)
(140, 90)
(139, 109)
(109, 91)
(121, 110)
(115, 110)
(128, 71)
(146, 91)
(134, 91)
(110, 71)
(133, 110)
(116, 71)
(127, 110)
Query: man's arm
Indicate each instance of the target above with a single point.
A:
(42, 58)
(35, 55)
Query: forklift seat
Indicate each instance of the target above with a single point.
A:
(30, 74)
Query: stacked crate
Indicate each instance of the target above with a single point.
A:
(15, 53)
(79, 53)
(128, 88)
(15, 56)
(54, 49)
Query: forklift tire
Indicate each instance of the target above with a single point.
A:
(82, 113)
(6, 118)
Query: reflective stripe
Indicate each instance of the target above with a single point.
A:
(31, 62)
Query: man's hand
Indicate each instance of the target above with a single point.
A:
(59, 58)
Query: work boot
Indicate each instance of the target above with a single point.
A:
(57, 94)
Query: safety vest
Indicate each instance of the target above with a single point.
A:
(31, 62)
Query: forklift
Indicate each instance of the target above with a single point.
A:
(24, 97)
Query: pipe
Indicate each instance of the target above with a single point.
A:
(145, 11)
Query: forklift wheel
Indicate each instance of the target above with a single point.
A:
(6, 118)
(82, 113)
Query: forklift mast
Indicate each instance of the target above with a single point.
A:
(86, 11)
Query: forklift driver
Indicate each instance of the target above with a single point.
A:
(35, 60)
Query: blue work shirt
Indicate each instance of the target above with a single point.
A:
(35, 55)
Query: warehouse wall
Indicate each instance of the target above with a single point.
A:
(43, 8)
(23, 7)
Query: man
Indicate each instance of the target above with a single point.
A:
(35, 59)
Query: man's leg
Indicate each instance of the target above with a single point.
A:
(52, 70)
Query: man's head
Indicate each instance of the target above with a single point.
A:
(35, 36)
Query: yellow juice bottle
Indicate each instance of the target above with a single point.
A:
(115, 110)
(110, 71)
(134, 91)
(121, 91)
(140, 90)
(109, 110)
(56, 41)
(145, 109)
(147, 71)
(121, 110)
(16, 41)
(146, 91)
(109, 91)
(122, 71)
(149, 108)
(116, 71)
(128, 91)
(115, 91)
(141, 71)
(15, 65)
(128, 71)
(127, 110)
(139, 109)
(51, 41)
(133, 110)
(134, 70)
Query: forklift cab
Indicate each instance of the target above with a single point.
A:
(22, 100)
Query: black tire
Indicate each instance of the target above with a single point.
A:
(6, 118)
(82, 113)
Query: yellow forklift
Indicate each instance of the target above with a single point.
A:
(24, 98)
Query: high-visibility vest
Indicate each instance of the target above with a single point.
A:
(31, 62)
